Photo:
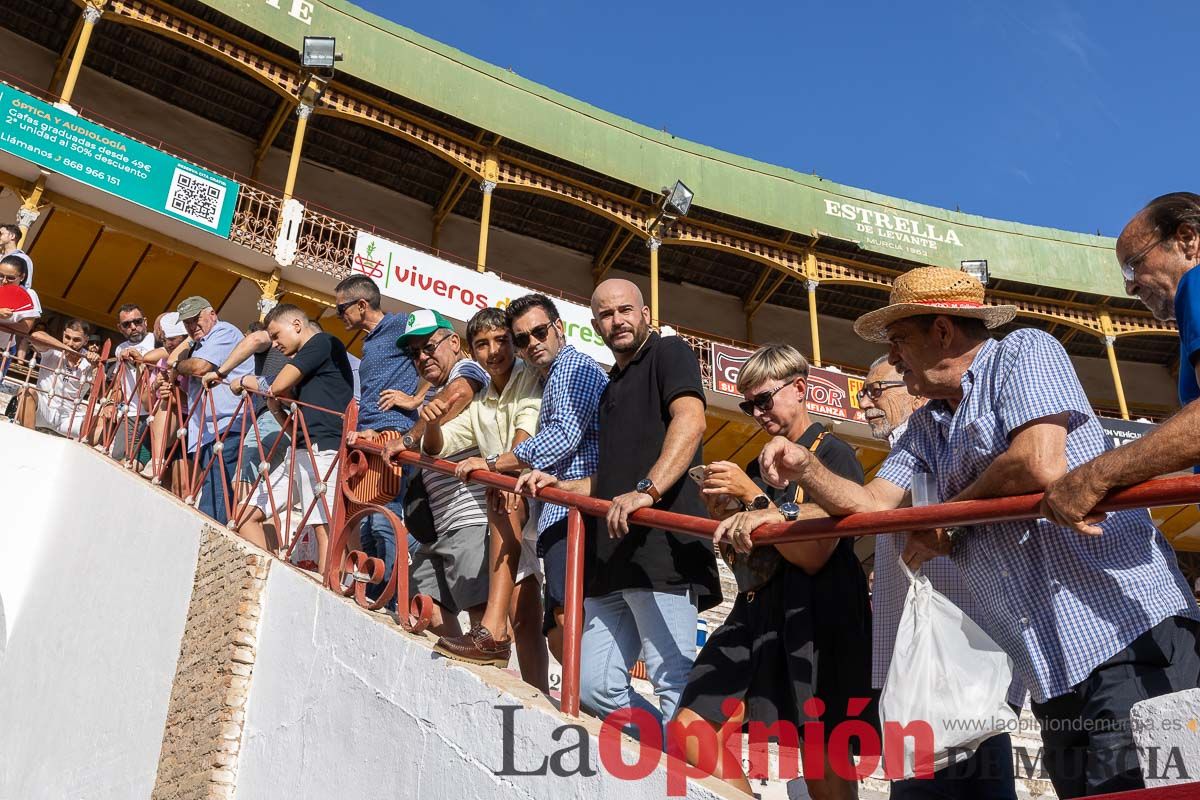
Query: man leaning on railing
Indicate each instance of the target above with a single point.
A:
(390, 394)
(567, 443)
(988, 774)
(501, 417)
(644, 585)
(450, 562)
(211, 342)
(59, 402)
(1159, 253)
(319, 378)
(1093, 624)
(139, 340)
(265, 432)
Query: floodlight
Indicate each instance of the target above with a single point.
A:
(977, 269)
(319, 52)
(678, 199)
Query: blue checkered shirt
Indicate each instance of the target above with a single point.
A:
(891, 589)
(385, 366)
(1058, 602)
(567, 444)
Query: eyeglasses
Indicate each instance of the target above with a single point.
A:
(763, 401)
(9, 279)
(521, 340)
(875, 390)
(341, 308)
(429, 349)
(1129, 268)
(129, 323)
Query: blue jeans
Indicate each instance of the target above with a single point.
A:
(379, 540)
(212, 491)
(620, 626)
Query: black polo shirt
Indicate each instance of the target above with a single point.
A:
(634, 415)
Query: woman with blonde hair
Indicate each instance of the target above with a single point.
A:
(800, 628)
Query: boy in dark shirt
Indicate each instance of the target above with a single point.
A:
(319, 376)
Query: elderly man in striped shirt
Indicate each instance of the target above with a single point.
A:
(1094, 624)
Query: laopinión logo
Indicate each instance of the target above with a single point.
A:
(797, 746)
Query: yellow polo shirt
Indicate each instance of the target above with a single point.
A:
(492, 419)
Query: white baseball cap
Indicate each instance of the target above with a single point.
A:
(171, 326)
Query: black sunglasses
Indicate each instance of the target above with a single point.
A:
(521, 340)
(763, 401)
(341, 308)
(429, 349)
(129, 323)
(875, 390)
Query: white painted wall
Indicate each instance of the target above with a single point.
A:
(343, 704)
(95, 576)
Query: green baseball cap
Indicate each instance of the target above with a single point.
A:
(422, 323)
(192, 306)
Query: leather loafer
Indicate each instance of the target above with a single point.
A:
(476, 646)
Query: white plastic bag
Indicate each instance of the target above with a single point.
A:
(947, 672)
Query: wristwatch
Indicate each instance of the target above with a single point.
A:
(408, 441)
(221, 374)
(790, 512)
(491, 462)
(758, 503)
(646, 486)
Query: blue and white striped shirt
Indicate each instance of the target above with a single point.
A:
(1058, 602)
(567, 444)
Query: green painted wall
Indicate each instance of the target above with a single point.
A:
(441, 77)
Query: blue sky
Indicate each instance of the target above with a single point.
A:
(1064, 113)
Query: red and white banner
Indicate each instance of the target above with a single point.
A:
(425, 281)
(830, 393)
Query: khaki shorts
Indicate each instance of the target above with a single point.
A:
(453, 570)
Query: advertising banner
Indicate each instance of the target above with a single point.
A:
(830, 393)
(1124, 431)
(62, 142)
(426, 281)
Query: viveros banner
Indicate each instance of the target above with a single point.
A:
(830, 393)
(102, 158)
(426, 281)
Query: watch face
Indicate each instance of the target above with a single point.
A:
(760, 502)
(643, 485)
(790, 511)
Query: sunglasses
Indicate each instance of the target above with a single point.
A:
(10, 278)
(521, 340)
(875, 390)
(341, 308)
(1129, 268)
(129, 323)
(763, 401)
(429, 349)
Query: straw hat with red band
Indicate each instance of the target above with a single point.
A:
(932, 290)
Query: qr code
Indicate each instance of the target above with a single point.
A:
(196, 198)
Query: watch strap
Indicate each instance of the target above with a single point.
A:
(646, 486)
